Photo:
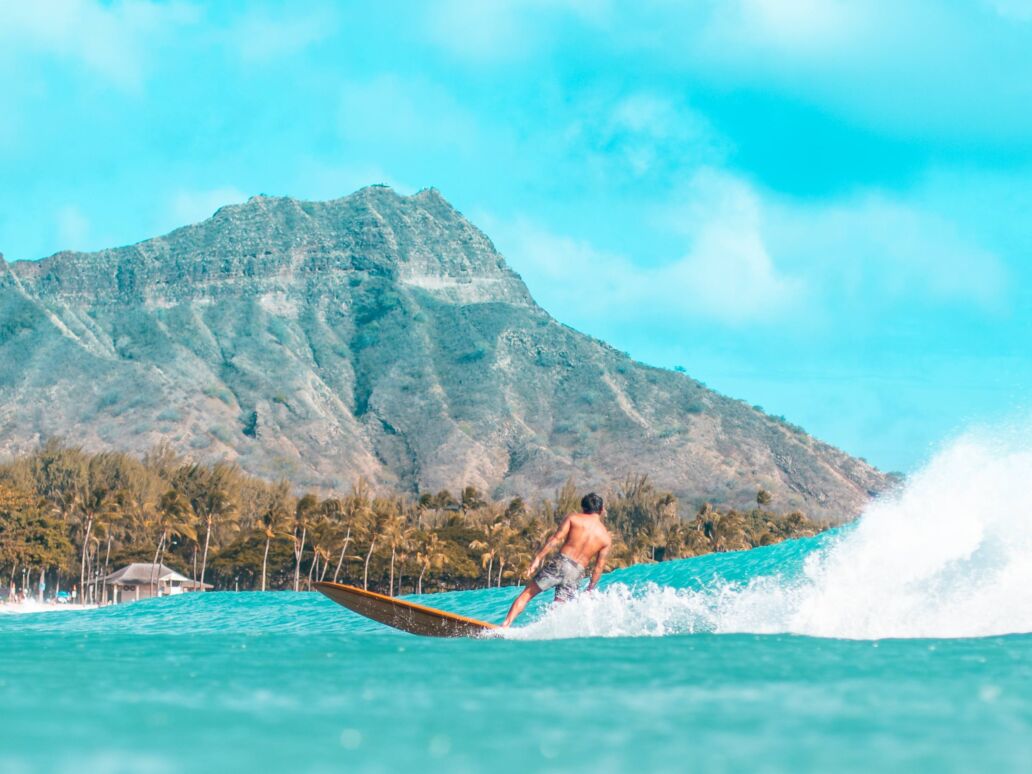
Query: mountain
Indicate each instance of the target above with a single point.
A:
(376, 335)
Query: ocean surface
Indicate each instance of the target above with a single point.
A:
(900, 643)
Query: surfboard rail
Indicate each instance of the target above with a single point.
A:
(401, 614)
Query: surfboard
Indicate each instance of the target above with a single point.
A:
(407, 616)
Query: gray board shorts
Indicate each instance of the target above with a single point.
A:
(563, 574)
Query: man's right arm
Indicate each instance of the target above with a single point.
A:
(553, 543)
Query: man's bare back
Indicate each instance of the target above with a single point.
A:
(584, 536)
(584, 539)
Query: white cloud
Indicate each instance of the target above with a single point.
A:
(410, 112)
(601, 137)
(946, 70)
(646, 113)
(726, 273)
(260, 37)
(73, 228)
(796, 28)
(750, 257)
(728, 278)
(729, 268)
(499, 30)
(1019, 10)
(187, 207)
(871, 248)
(110, 39)
(640, 134)
(878, 251)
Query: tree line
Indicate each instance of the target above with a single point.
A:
(69, 517)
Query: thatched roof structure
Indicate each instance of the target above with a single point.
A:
(146, 573)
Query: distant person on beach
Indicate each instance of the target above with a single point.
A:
(584, 538)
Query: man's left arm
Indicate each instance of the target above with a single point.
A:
(600, 566)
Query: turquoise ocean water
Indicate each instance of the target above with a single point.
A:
(898, 644)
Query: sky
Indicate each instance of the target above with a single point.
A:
(820, 207)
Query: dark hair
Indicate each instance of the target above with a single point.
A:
(592, 503)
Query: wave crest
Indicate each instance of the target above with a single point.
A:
(950, 555)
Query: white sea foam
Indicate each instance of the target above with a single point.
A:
(32, 606)
(948, 556)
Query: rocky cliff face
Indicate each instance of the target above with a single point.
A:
(379, 336)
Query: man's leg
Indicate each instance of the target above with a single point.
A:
(531, 591)
(566, 591)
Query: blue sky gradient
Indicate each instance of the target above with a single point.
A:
(820, 207)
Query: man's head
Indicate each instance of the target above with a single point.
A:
(592, 503)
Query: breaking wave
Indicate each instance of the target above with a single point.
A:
(949, 555)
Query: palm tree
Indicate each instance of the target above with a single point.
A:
(343, 548)
(303, 512)
(59, 475)
(686, 540)
(121, 508)
(653, 540)
(332, 511)
(321, 533)
(324, 556)
(370, 528)
(728, 533)
(131, 506)
(174, 516)
(520, 558)
(496, 536)
(505, 545)
(118, 508)
(272, 519)
(405, 549)
(113, 485)
(486, 555)
(397, 535)
(212, 495)
(91, 571)
(351, 514)
(431, 556)
(382, 511)
(92, 500)
(536, 530)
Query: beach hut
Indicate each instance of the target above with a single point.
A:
(140, 580)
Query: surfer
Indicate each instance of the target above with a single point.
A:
(583, 538)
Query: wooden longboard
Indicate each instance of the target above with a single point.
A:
(407, 616)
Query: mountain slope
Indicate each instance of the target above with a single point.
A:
(376, 335)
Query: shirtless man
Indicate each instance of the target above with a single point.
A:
(583, 537)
